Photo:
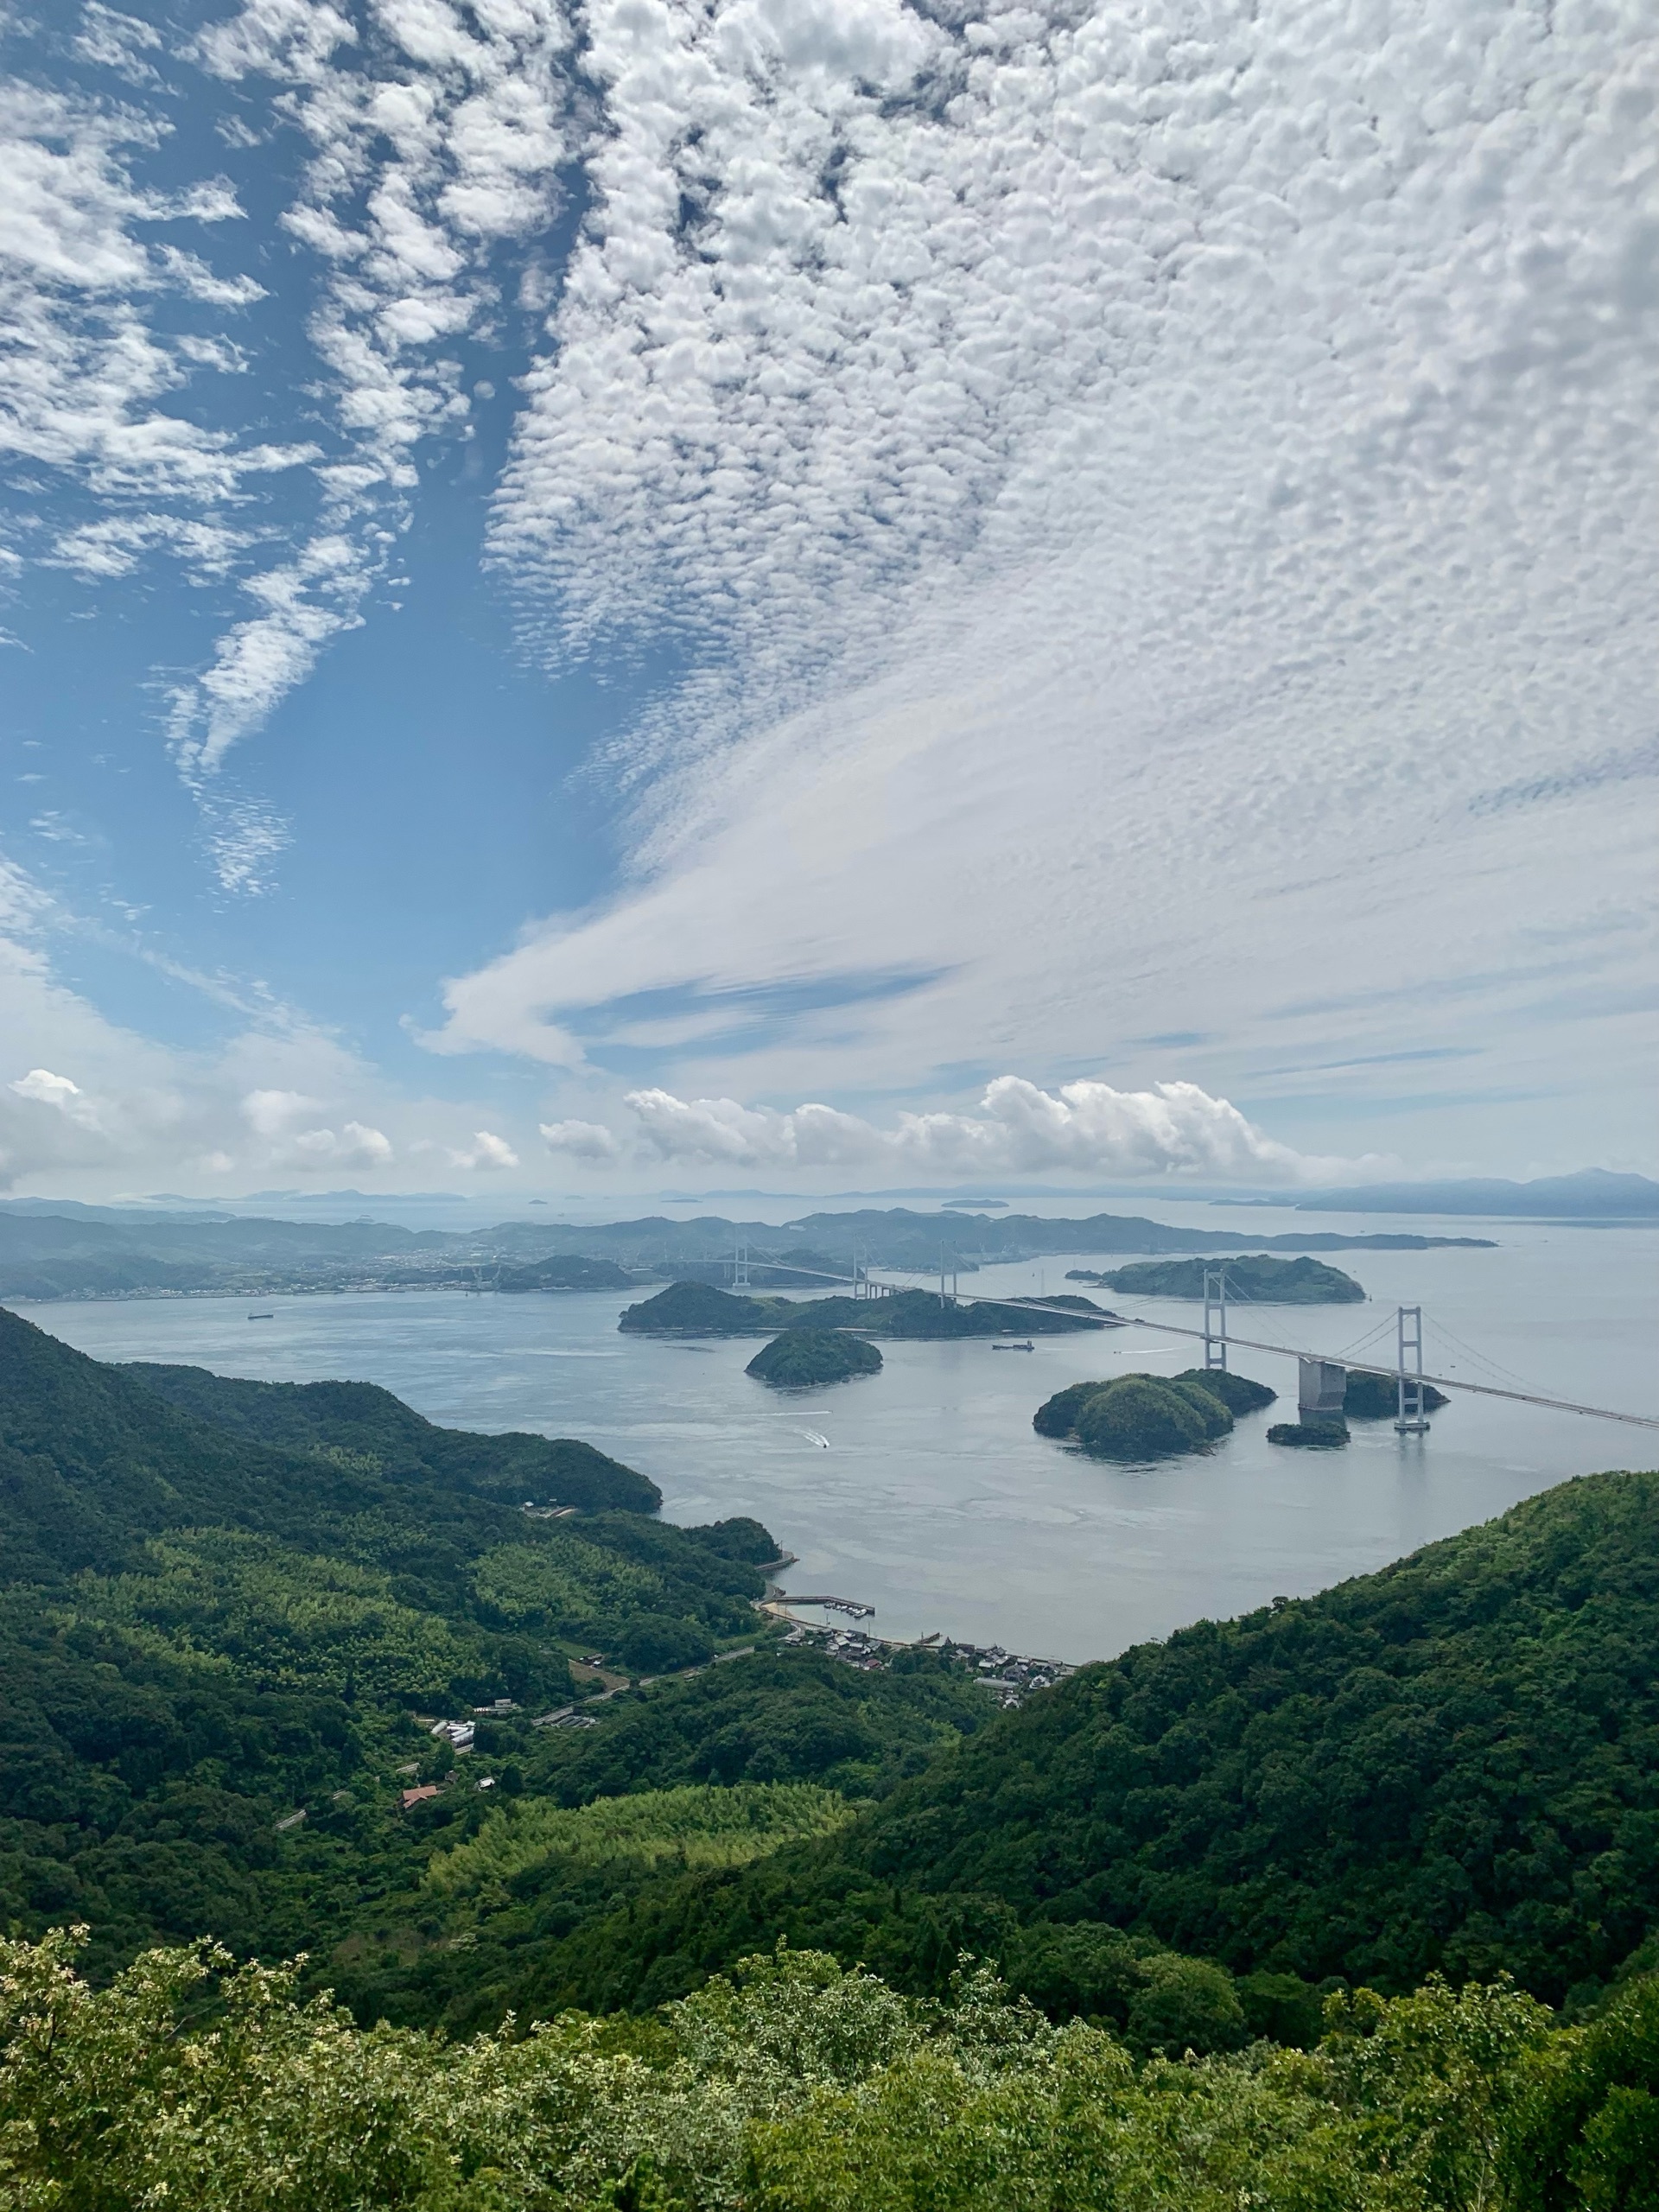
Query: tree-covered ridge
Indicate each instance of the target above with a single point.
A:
(386, 1436)
(698, 1309)
(1258, 1277)
(794, 2086)
(1453, 1764)
(213, 1646)
(780, 1717)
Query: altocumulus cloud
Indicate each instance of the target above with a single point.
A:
(1088, 1128)
(1130, 481)
(1117, 491)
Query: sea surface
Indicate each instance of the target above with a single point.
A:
(923, 1491)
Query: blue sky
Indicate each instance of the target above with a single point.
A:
(600, 595)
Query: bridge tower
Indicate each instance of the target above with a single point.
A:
(1409, 1417)
(1215, 1318)
(951, 1271)
(741, 1265)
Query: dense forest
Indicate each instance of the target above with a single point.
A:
(1141, 1417)
(226, 1603)
(1256, 1277)
(801, 1359)
(460, 1719)
(793, 2085)
(698, 1309)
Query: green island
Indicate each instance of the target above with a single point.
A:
(801, 1359)
(695, 1309)
(1258, 1277)
(1323, 1432)
(1138, 1417)
(1365, 1397)
(1376, 1397)
(612, 1899)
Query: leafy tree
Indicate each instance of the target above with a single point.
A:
(791, 2085)
(1185, 2004)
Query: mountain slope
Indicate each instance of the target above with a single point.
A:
(362, 1419)
(213, 1647)
(1451, 1764)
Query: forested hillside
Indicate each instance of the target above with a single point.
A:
(290, 1668)
(796, 2087)
(216, 1633)
(1452, 1765)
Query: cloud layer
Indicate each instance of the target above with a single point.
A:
(1134, 485)
(1086, 1128)
(1138, 516)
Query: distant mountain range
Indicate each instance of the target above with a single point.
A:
(1593, 1194)
(84, 1252)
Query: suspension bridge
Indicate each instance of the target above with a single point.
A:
(1320, 1390)
(1321, 1375)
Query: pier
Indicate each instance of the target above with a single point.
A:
(834, 1605)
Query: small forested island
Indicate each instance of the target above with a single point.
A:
(1313, 1432)
(1136, 1417)
(695, 1309)
(1365, 1397)
(1376, 1397)
(1256, 1276)
(801, 1359)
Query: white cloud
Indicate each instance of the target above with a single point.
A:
(273, 1094)
(58, 1092)
(1087, 1128)
(120, 42)
(591, 1143)
(305, 602)
(1137, 490)
(272, 1114)
(357, 1146)
(486, 1150)
(435, 141)
(118, 545)
(286, 38)
(245, 836)
(91, 358)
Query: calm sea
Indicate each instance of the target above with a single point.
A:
(924, 1491)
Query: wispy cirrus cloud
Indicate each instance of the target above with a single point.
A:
(434, 139)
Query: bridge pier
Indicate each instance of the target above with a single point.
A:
(1410, 1418)
(1215, 1304)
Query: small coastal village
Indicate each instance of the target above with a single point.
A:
(1009, 1676)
